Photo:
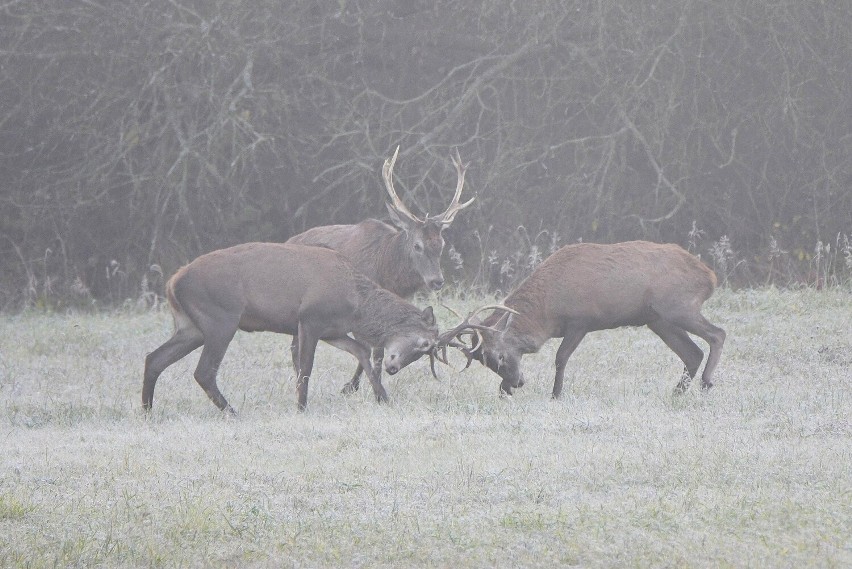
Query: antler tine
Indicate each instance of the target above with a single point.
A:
(440, 354)
(447, 217)
(450, 309)
(396, 203)
(466, 324)
(450, 337)
(432, 357)
(478, 335)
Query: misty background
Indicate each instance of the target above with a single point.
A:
(135, 136)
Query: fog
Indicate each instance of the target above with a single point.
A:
(135, 136)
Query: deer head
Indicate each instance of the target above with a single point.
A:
(489, 343)
(424, 241)
(404, 349)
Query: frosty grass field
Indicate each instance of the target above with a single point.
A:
(757, 472)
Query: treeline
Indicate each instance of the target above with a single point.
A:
(137, 135)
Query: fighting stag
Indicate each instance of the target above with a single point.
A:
(401, 259)
(587, 287)
(309, 292)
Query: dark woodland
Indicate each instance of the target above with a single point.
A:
(135, 136)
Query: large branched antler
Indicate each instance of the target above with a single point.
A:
(447, 217)
(396, 203)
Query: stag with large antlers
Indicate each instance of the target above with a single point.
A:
(586, 287)
(291, 289)
(401, 259)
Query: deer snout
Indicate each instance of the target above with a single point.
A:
(436, 284)
(392, 364)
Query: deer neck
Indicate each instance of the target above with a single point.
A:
(380, 313)
(396, 272)
(530, 325)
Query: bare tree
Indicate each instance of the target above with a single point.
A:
(141, 134)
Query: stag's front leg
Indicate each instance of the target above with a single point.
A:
(353, 384)
(375, 376)
(566, 348)
(362, 353)
(378, 358)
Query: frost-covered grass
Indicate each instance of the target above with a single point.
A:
(757, 472)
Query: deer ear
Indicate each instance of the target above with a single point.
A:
(398, 220)
(428, 316)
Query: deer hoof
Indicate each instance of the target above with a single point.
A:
(348, 389)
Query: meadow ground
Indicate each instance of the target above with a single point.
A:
(757, 472)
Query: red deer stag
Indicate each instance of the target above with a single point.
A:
(290, 289)
(401, 260)
(587, 287)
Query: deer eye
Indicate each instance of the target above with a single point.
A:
(418, 247)
(424, 344)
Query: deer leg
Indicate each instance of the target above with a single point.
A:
(373, 369)
(179, 345)
(378, 358)
(566, 348)
(375, 376)
(711, 334)
(681, 344)
(307, 347)
(294, 352)
(214, 349)
(352, 385)
(355, 382)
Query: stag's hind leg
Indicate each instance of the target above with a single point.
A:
(681, 344)
(215, 346)
(307, 347)
(715, 337)
(182, 342)
(218, 328)
(691, 320)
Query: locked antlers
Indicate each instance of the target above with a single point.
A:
(454, 337)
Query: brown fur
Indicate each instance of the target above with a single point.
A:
(401, 260)
(586, 287)
(381, 251)
(386, 255)
(293, 289)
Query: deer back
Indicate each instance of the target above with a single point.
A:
(613, 285)
(266, 286)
